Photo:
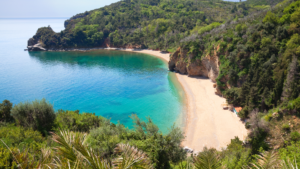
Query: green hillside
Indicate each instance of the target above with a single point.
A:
(156, 24)
(259, 59)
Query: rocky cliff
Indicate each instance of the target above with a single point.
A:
(184, 62)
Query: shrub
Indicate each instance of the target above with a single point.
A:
(5, 108)
(295, 136)
(72, 120)
(270, 17)
(38, 115)
(265, 42)
(295, 17)
(286, 127)
(291, 152)
(247, 125)
(232, 95)
(17, 136)
(6, 158)
(208, 27)
(243, 114)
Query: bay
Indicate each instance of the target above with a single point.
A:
(112, 84)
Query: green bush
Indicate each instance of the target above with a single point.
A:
(271, 17)
(6, 158)
(5, 109)
(38, 115)
(294, 105)
(286, 127)
(265, 42)
(208, 27)
(295, 136)
(247, 125)
(291, 151)
(243, 114)
(72, 120)
(20, 137)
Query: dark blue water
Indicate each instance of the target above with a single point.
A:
(113, 84)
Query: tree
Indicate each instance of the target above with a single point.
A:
(271, 17)
(38, 115)
(5, 109)
(259, 130)
(291, 86)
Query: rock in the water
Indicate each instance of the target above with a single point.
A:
(36, 47)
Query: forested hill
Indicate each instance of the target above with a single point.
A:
(255, 62)
(155, 24)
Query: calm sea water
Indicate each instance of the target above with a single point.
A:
(112, 84)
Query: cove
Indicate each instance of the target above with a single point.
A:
(112, 84)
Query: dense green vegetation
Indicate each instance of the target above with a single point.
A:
(102, 144)
(23, 131)
(156, 24)
(259, 58)
(259, 71)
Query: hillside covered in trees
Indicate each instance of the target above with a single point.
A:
(255, 62)
(155, 24)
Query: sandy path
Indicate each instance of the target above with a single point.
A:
(207, 123)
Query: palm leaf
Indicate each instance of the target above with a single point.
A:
(131, 157)
(267, 160)
(72, 147)
(46, 159)
(208, 159)
(287, 164)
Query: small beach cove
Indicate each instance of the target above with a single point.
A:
(112, 84)
(207, 123)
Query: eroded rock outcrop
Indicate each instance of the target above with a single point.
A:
(36, 47)
(36, 42)
(185, 62)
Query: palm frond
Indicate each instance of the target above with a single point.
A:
(46, 159)
(267, 160)
(72, 147)
(287, 164)
(187, 165)
(131, 157)
(21, 158)
(208, 159)
(64, 139)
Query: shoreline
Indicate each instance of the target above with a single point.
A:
(206, 123)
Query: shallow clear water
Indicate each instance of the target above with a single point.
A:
(113, 84)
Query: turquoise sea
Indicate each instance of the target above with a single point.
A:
(112, 84)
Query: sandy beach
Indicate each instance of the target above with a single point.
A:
(207, 123)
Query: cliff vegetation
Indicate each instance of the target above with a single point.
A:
(155, 24)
